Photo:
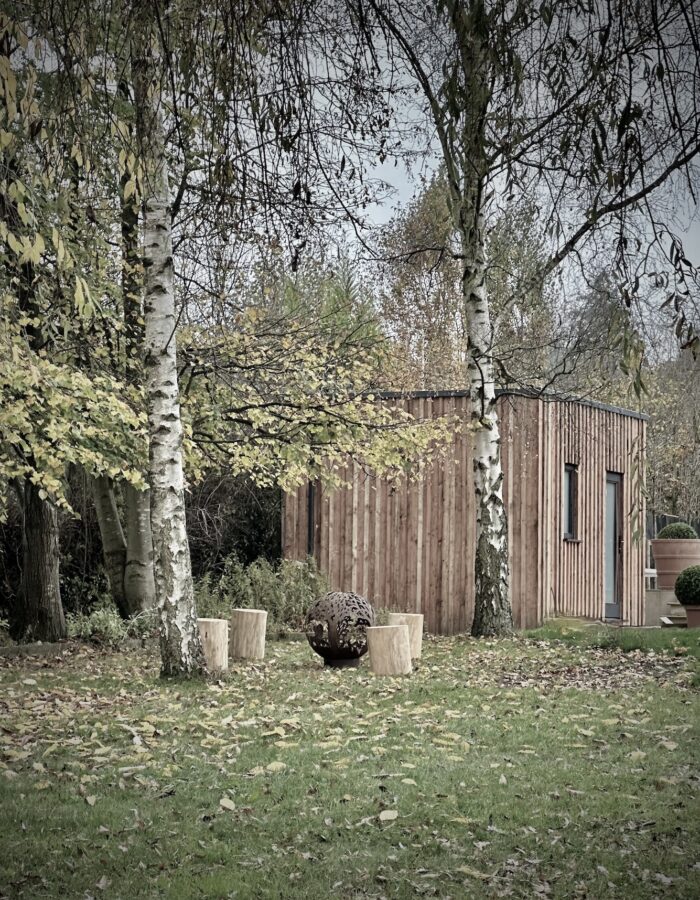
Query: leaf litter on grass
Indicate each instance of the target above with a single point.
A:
(380, 784)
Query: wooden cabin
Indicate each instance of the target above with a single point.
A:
(573, 488)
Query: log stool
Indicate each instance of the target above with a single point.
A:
(415, 630)
(248, 633)
(389, 649)
(214, 637)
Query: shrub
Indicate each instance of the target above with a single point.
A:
(143, 624)
(286, 591)
(688, 586)
(677, 531)
(102, 625)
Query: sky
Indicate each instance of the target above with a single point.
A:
(404, 188)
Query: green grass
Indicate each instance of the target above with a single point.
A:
(593, 635)
(518, 768)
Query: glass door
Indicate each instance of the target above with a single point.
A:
(613, 546)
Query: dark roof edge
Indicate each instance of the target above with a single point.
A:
(511, 392)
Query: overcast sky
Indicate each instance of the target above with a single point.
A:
(405, 188)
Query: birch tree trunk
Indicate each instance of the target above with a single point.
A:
(42, 611)
(463, 138)
(492, 608)
(180, 644)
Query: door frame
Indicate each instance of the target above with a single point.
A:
(614, 610)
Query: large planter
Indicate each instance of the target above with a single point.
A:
(692, 614)
(671, 557)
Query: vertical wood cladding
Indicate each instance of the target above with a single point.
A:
(409, 546)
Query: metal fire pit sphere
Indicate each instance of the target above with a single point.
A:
(336, 628)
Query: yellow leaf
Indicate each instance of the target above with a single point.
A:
(473, 873)
(388, 815)
(79, 295)
(14, 243)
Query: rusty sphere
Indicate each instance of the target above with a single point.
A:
(336, 627)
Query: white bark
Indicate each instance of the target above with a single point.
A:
(492, 609)
(180, 644)
(467, 168)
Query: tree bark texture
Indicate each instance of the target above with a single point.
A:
(128, 558)
(139, 583)
(180, 644)
(492, 610)
(42, 611)
(464, 144)
(113, 542)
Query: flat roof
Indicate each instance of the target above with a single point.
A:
(511, 392)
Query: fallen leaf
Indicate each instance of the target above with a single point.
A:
(473, 873)
(388, 815)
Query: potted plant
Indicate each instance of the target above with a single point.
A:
(675, 547)
(688, 593)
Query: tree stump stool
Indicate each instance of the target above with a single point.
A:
(214, 636)
(389, 649)
(248, 633)
(414, 621)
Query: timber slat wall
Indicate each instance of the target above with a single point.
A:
(410, 545)
(600, 441)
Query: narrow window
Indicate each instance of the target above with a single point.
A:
(570, 501)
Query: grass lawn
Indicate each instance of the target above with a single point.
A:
(558, 767)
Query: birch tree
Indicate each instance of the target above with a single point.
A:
(591, 110)
(180, 645)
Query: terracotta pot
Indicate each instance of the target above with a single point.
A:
(671, 557)
(693, 616)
